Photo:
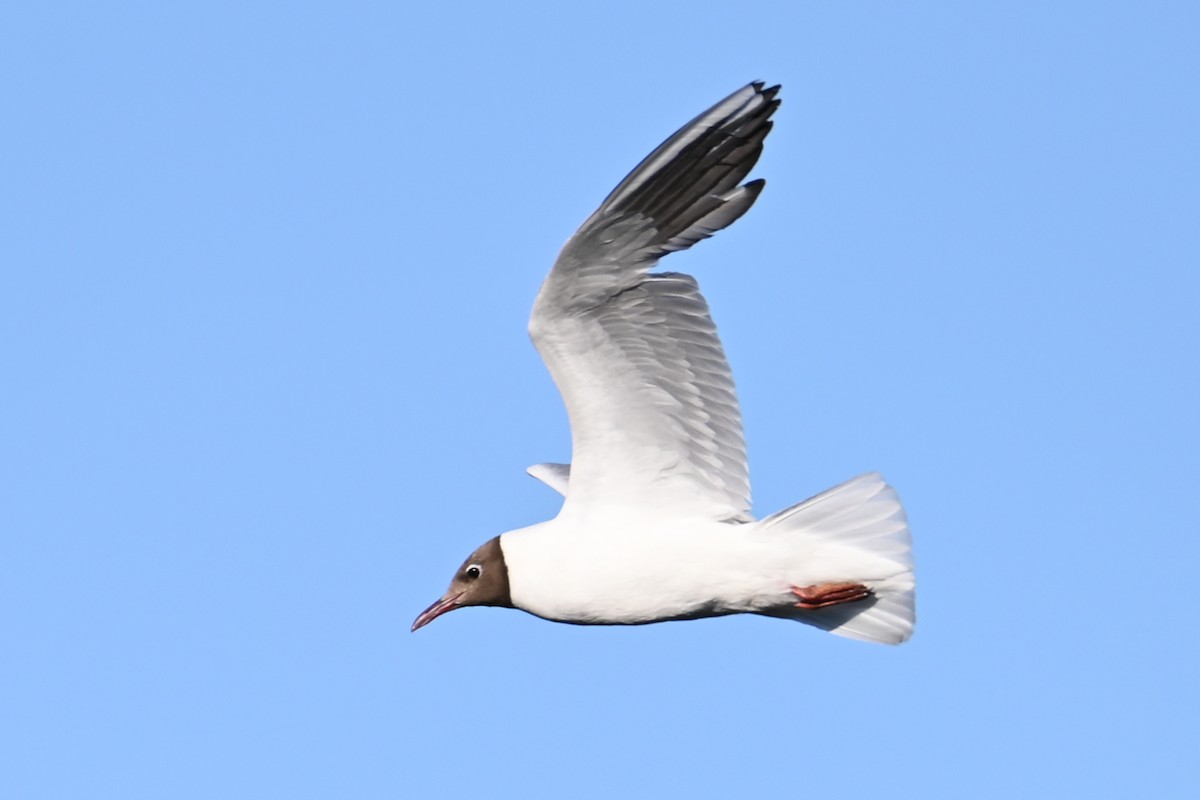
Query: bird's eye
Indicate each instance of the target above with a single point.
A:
(473, 571)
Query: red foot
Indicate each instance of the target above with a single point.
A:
(829, 594)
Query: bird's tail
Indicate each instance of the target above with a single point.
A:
(856, 532)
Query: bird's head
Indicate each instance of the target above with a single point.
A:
(482, 580)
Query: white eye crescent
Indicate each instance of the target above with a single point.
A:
(473, 571)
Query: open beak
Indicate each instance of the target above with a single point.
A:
(447, 603)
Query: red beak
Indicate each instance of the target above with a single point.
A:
(447, 603)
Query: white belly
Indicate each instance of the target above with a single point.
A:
(624, 575)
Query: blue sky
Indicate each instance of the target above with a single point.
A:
(265, 278)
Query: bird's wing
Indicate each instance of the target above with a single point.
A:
(654, 417)
(556, 476)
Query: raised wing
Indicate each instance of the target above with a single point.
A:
(654, 417)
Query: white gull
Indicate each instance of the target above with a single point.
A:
(655, 523)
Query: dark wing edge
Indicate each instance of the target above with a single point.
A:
(684, 191)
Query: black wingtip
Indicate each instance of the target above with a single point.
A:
(768, 93)
(755, 188)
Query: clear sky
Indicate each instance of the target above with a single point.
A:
(265, 271)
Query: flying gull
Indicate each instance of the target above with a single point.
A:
(655, 523)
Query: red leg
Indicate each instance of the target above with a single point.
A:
(829, 594)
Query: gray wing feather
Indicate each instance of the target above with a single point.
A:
(654, 415)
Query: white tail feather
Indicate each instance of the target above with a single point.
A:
(859, 525)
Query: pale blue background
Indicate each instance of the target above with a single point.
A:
(266, 270)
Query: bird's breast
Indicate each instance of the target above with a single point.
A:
(632, 576)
